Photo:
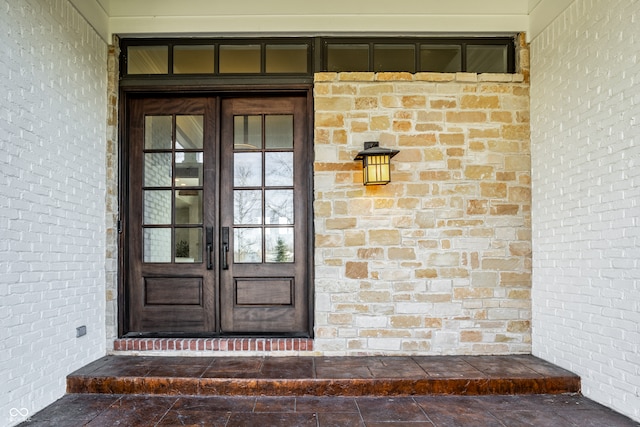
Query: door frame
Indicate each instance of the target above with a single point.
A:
(126, 93)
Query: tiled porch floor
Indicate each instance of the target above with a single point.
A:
(100, 410)
(324, 391)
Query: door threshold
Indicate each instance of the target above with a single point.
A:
(247, 345)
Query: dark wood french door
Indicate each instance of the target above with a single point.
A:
(217, 219)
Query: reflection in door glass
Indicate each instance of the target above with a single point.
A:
(247, 207)
(157, 207)
(188, 207)
(247, 169)
(189, 169)
(157, 245)
(247, 245)
(157, 169)
(279, 244)
(278, 131)
(278, 206)
(157, 132)
(278, 169)
(189, 132)
(188, 244)
(247, 132)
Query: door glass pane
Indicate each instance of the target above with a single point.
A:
(394, 57)
(189, 169)
(247, 245)
(157, 244)
(278, 169)
(189, 133)
(188, 245)
(441, 59)
(278, 206)
(247, 207)
(279, 244)
(247, 132)
(147, 60)
(278, 131)
(247, 169)
(157, 169)
(486, 59)
(193, 59)
(157, 132)
(240, 58)
(286, 58)
(157, 207)
(347, 57)
(188, 207)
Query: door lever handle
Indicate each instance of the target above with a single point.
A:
(209, 248)
(224, 239)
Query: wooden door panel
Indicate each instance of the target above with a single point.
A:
(173, 292)
(266, 292)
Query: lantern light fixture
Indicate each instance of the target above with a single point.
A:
(376, 163)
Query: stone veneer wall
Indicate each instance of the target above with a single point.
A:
(439, 260)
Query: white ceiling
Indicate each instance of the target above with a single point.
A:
(206, 17)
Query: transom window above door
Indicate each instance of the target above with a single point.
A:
(302, 57)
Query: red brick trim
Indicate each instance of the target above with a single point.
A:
(213, 344)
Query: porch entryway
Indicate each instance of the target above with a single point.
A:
(216, 233)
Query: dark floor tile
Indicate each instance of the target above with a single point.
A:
(72, 410)
(340, 419)
(272, 420)
(216, 404)
(179, 361)
(533, 418)
(448, 367)
(194, 418)
(597, 418)
(344, 367)
(287, 367)
(456, 411)
(275, 404)
(177, 371)
(332, 404)
(397, 367)
(401, 424)
(134, 411)
(234, 368)
(376, 409)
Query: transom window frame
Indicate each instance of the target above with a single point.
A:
(317, 54)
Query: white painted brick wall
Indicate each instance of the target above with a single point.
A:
(585, 114)
(52, 210)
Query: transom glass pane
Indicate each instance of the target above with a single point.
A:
(157, 245)
(247, 132)
(188, 207)
(157, 207)
(247, 169)
(278, 131)
(278, 169)
(247, 207)
(279, 245)
(487, 59)
(147, 60)
(278, 207)
(188, 245)
(394, 57)
(189, 132)
(240, 59)
(157, 132)
(157, 169)
(347, 57)
(198, 59)
(247, 245)
(441, 59)
(286, 58)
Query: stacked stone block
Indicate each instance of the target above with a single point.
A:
(439, 260)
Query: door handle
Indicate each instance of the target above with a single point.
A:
(209, 248)
(224, 249)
